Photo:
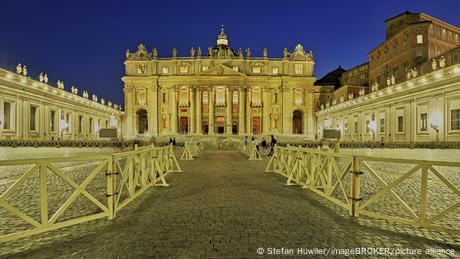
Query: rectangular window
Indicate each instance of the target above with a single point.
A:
(455, 119)
(53, 121)
(7, 115)
(235, 69)
(90, 129)
(400, 124)
(256, 70)
(382, 125)
(419, 39)
(32, 119)
(423, 122)
(165, 70)
(80, 124)
(367, 126)
(356, 127)
(275, 71)
(345, 128)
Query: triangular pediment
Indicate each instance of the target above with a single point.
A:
(220, 70)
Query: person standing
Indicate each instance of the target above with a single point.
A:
(272, 146)
(245, 143)
(264, 146)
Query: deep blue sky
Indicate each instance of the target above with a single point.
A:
(84, 42)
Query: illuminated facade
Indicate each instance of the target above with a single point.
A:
(424, 108)
(34, 110)
(222, 92)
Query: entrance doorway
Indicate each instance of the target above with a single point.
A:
(142, 121)
(183, 125)
(256, 125)
(205, 128)
(297, 122)
(220, 124)
(234, 128)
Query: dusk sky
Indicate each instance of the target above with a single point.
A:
(83, 43)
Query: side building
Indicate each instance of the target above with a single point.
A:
(413, 90)
(220, 92)
(35, 110)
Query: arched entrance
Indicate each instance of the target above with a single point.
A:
(183, 126)
(297, 122)
(142, 121)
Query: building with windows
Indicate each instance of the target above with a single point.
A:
(413, 93)
(34, 110)
(411, 40)
(220, 92)
(423, 108)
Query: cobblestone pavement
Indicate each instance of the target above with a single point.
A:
(224, 206)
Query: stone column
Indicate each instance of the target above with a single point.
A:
(266, 111)
(241, 106)
(248, 112)
(152, 104)
(211, 111)
(130, 115)
(192, 111)
(287, 111)
(198, 112)
(173, 111)
(228, 114)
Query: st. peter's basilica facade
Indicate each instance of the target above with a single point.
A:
(222, 91)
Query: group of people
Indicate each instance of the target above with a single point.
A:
(263, 144)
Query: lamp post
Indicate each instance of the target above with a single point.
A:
(436, 128)
(373, 127)
(62, 127)
(435, 123)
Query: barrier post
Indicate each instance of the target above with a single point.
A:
(355, 187)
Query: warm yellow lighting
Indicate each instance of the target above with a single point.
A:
(9, 76)
(327, 123)
(437, 75)
(113, 121)
(372, 126)
(456, 70)
(63, 124)
(23, 80)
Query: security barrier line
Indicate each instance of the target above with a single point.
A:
(339, 178)
(127, 175)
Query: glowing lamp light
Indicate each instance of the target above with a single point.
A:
(436, 120)
(63, 124)
(327, 123)
(113, 121)
(372, 126)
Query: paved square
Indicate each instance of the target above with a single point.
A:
(221, 206)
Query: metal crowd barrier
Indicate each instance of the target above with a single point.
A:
(127, 175)
(377, 187)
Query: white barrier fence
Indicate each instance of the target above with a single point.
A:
(416, 192)
(108, 183)
(191, 149)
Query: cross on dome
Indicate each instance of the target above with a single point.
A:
(222, 38)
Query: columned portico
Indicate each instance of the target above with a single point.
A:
(222, 91)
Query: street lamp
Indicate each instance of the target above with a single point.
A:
(62, 127)
(373, 127)
(435, 122)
